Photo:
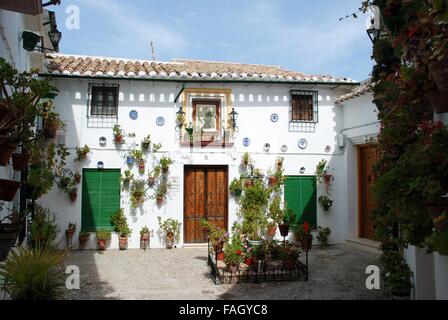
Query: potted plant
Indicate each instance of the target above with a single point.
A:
(118, 134)
(73, 193)
(323, 234)
(206, 227)
(152, 177)
(272, 178)
(77, 177)
(7, 148)
(325, 202)
(218, 238)
(305, 236)
(120, 223)
(145, 234)
(138, 193)
(103, 236)
(146, 143)
(170, 228)
(127, 178)
(70, 230)
(8, 189)
(20, 161)
(83, 238)
(279, 162)
(165, 163)
(276, 216)
(236, 187)
(161, 192)
(289, 255)
(321, 170)
(233, 256)
(81, 153)
(52, 124)
(246, 160)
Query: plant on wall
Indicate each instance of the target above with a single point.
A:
(165, 163)
(322, 176)
(127, 178)
(236, 187)
(138, 192)
(146, 143)
(81, 153)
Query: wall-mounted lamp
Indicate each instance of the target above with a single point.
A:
(100, 165)
(180, 114)
(234, 117)
(373, 34)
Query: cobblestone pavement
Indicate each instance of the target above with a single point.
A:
(336, 272)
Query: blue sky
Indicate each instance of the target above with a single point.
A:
(300, 35)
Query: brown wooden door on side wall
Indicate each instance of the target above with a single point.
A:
(368, 156)
(205, 196)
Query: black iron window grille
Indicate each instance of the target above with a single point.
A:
(102, 111)
(304, 111)
(104, 101)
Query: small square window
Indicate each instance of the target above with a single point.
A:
(304, 106)
(104, 101)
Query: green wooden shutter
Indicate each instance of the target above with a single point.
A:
(301, 197)
(100, 198)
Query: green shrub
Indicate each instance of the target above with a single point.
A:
(43, 228)
(33, 274)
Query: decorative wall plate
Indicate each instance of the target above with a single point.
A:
(267, 147)
(103, 141)
(274, 117)
(327, 149)
(160, 121)
(284, 148)
(133, 115)
(246, 142)
(303, 144)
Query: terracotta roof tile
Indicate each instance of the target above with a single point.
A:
(99, 66)
(356, 92)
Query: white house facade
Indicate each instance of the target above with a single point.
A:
(148, 95)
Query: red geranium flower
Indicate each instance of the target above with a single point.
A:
(306, 227)
(239, 252)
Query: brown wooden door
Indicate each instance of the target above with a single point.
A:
(205, 196)
(368, 156)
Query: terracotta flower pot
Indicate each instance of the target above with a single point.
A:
(144, 237)
(220, 256)
(8, 189)
(83, 242)
(169, 240)
(73, 196)
(78, 178)
(7, 148)
(151, 181)
(141, 166)
(284, 230)
(123, 242)
(20, 161)
(160, 200)
(248, 183)
(69, 233)
(307, 242)
(439, 73)
(272, 180)
(272, 231)
(101, 244)
(438, 100)
(118, 139)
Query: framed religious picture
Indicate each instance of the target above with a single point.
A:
(206, 116)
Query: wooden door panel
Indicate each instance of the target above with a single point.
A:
(369, 156)
(205, 196)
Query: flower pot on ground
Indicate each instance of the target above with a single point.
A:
(83, 238)
(8, 189)
(7, 148)
(170, 228)
(255, 243)
(220, 256)
(144, 234)
(103, 236)
(20, 161)
(120, 223)
(123, 243)
(323, 234)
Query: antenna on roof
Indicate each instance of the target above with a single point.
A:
(153, 51)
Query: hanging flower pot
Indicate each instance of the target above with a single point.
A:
(30, 40)
(7, 148)
(272, 180)
(118, 139)
(20, 161)
(141, 166)
(8, 189)
(130, 160)
(73, 196)
(248, 183)
(438, 100)
(159, 200)
(151, 182)
(438, 71)
(237, 192)
(78, 177)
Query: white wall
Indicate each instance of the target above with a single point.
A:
(254, 102)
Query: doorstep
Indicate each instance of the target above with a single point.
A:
(195, 245)
(365, 242)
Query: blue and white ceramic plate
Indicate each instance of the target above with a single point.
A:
(284, 148)
(160, 121)
(246, 142)
(274, 117)
(133, 114)
(303, 144)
